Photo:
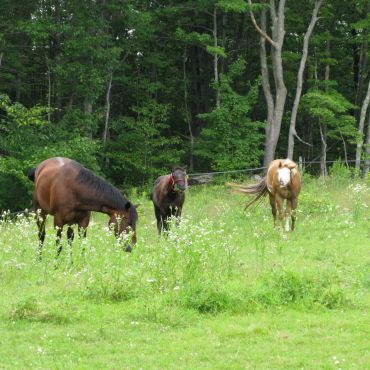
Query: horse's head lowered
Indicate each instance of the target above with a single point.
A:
(124, 222)
(178, 179)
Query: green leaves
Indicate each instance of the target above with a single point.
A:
(22, 116)
(216, 50)
(236, 6)
(193, 37)
(331, 108)
(231, 140)
(147, 150)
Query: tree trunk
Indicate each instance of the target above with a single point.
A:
(2, 53)
(215, 58)
(361, 124)
(107, 108)
(324, 126)
(276, 103)
(293, 118)
(187, 113)
(18, 84)
(88, 111)
(362, 68)
(49, 87)
(224, 22)
(344, 147)
(367, 151)
(324, 145)
(87, 106)
(362, 71)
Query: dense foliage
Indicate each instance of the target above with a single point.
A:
(130, 88)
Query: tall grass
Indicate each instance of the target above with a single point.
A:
(218, 259)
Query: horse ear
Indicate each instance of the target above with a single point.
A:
(127, 206)
(177, 167)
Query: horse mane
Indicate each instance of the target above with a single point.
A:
(133, 214)
(103, 189)
(289, 164)
(260, 188)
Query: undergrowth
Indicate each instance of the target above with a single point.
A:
(219, 259)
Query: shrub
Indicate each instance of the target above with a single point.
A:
(29, 309)
(281, 287)
(206, 298)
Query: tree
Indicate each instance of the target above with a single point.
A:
(147, 149)
(275, 98)
(360, 139)
(330, 111)
(231, 139)
(302, 65)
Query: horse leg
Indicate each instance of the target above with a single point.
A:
(159, 219)
(287, 213)
(41, 221)
(83, 223)
(166, 218)
(294, 207)
(178, 217)
(279, 203)
(70, 234)
(58, 225)
(82, 228)
(273, 207)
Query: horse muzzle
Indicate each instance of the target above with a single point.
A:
(180, 188)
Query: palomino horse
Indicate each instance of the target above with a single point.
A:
(168, 197)
(69, 192)
(282, 181)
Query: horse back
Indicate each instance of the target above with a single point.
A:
(53, 183)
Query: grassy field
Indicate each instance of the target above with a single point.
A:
(223, 291)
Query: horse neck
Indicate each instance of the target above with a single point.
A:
(168, 186)
(100, 203)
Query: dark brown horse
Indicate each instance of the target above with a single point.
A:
(169, 196)
(70, 192)
(282, 181)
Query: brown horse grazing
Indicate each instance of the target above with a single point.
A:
(168, 197)
(282, 181)
(69, 192)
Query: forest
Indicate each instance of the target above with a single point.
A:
(130, 88)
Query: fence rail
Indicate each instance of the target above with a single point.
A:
(303, 163)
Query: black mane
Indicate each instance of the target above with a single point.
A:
(103, 189)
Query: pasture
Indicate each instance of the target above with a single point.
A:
(223, 291)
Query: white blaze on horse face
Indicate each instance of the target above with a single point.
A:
(283, 176)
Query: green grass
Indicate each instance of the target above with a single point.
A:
(224, 290)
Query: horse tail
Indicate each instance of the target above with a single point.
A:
(31, 174)
(260, 188)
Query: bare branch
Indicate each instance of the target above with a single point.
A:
(258, 29)
(301, 140)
